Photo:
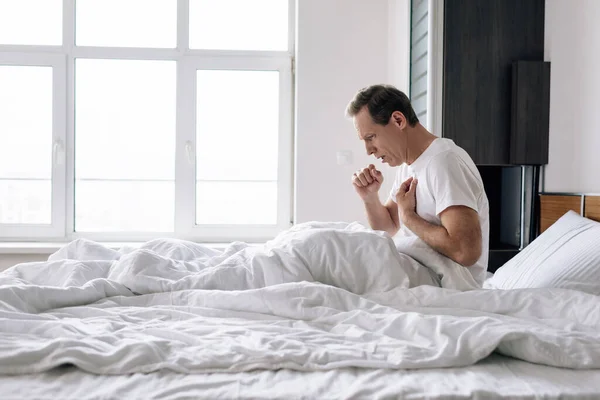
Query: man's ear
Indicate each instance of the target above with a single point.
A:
(398, 119)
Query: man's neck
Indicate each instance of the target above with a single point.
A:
(419, 139)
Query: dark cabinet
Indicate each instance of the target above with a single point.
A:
(482, 108)
(530, 113)
(511, 193)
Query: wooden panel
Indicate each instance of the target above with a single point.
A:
(592, 207)
(553, 207)
(530, 115)
(481, 41)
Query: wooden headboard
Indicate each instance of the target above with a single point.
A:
(555, 205)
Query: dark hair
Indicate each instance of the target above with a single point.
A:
(382, 101)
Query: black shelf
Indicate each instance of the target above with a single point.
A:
(503, 247)
(498, 258)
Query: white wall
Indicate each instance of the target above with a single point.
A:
(572, 41)
(398, 51)
(8, 260)
(342, 46)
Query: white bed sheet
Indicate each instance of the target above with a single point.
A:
(496, 377)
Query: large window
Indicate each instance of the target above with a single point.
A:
(131, 119)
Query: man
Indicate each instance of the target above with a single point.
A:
(437, 195)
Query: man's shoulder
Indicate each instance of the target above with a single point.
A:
(444, 159)
(453, 161)
(448, 155)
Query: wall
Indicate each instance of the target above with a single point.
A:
(398, 37)
(8, 260)
(572, 34)
(342, 46)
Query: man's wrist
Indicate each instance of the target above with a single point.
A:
(370, 200)
(408, 216)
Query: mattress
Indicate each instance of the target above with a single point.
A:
(496, 377)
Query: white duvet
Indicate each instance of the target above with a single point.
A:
(317, 297)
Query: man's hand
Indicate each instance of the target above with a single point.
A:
(406, 198)
(367, 182)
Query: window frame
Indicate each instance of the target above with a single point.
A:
(187, 60)
(58, 165)
(185, 171)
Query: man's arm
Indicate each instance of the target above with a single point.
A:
(382, 217)
(459, 237)
(367, 183)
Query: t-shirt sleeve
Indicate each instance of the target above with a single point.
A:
(453, 183)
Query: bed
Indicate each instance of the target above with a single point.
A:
(178, 320)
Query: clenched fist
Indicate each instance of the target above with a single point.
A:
(367, 182)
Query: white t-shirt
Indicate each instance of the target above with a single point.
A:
(447, 177)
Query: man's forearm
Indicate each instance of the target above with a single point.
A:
(435, 236)
(379, 217)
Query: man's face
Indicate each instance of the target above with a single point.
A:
(386, 143)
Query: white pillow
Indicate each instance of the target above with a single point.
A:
(566, 255)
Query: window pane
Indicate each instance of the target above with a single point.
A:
(31, 22)
(126, 23)
(25, 201)
(25, 144)
(237, 125)
(236, 202)
(239, 24)
(113, 206)
(124, 131)
(237, 142)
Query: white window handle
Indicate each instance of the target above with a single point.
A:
(189, 151)
(58, 152)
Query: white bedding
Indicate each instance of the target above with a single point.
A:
(496, 377)
(318, 297)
